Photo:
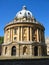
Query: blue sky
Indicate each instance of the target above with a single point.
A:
(39, 9)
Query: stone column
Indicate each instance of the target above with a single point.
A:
(5, 37)
(40, 35)
(30, 34)
(11, 35)
(21, 34)
(39, 51)
(18, 32)
(43, 37)
(37, 35)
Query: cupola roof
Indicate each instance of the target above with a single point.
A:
(24, 13)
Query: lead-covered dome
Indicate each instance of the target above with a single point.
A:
(24, 13)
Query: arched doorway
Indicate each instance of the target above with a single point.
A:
(24, 50)
(35, 51)
(13, 51)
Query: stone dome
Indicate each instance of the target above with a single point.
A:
(24, 13)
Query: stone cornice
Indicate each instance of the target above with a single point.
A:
(23, 24)
(25, 42)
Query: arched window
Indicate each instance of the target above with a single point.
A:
(13, 51)
(35, 51)
(24, 50)
(5, 50)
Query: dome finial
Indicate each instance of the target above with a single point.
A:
(24, 7)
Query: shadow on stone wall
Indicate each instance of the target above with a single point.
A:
(25, 62)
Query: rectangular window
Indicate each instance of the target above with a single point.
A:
(34, 34)
(15, 31)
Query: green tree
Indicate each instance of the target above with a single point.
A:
(1, 39)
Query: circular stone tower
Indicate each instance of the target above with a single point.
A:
(24, 36)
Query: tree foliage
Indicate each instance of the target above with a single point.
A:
(1, 39)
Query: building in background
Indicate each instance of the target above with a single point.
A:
(24, 36)
(47, 43)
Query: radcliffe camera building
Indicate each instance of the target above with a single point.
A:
(24, 36)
